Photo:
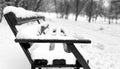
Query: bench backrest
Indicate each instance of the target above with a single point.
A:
(12, 21)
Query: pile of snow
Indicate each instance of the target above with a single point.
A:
(54, 31)
(21, 12)
(42, 51)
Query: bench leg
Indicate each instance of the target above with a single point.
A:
(32, 66)
(38, 21)
(78, 56)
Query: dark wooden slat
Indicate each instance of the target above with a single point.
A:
(11, 19)
(57, 66)
(25, 50)
(30, 20)
(78, 56)
(51, 41)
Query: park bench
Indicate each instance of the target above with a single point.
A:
(39, 63)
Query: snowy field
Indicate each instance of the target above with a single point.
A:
(103, 53)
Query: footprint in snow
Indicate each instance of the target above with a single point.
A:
(99, 46)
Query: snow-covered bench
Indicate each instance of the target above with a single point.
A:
(25, 44)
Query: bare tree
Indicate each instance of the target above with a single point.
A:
(37, 5)
(66, 9)
(80, 5)
(77, 7)
(91, 10)
(4, 3)
(17, 3)
(115, 9)
(55, 6)
(1, 11)
(23, 4)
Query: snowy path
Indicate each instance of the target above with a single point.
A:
(103, 53)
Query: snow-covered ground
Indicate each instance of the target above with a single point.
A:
(11, 55)
(103, 53)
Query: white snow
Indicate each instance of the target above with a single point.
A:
(11, 55)
(42, 51)
(103, 53)
(33, 31)
(21, 12)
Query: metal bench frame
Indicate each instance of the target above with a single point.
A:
(24, 44)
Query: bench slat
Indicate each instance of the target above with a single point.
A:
(57, 66)
(51, 41)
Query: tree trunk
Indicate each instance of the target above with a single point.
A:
(1, 14)
(37, 5)
(116, 18)
(109, 21)
(77, 7)
(67, 10)
(90, 12)
(17, 2)
(1, 10)
(89, 20)
(55, 6)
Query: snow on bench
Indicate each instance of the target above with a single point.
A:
(24, 16)
(42, 50)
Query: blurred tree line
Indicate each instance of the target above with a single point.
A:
(114, 11)
(91, 8)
